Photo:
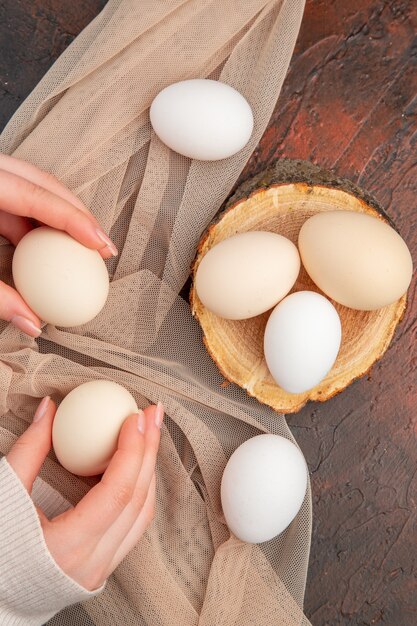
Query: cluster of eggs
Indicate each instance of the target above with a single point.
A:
(265, 480)
(355, 259)
(67, 284)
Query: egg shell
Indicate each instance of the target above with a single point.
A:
(301, 341)
(356, 259)
(87, 425)
(247, 274)
(202, 119)
(63, 282)
(263, 487)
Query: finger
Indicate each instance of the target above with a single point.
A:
(43, 179)
(127, 518)
(51, 183)
(115, 490)
(14, 227)
(15, 310)
(22, 197)
(29, 451)
(142, 523)
(147, 471)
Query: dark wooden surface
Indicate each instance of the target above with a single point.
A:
(349, 103)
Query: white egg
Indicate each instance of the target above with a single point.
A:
(202, 119)
(247, 274)
(87, 425)
(263, 487)
(63, 282)
(302, 339)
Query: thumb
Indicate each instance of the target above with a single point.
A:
(29, 451)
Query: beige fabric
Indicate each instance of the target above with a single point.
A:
(87, 122)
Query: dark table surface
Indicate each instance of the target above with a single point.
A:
(349, 103)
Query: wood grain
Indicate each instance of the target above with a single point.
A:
(267, 202)
(349, 103)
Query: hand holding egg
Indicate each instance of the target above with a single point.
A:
(89, 540)
(27, 193)
(87, 426)
(63, 281)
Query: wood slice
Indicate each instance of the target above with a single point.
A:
(280, 199)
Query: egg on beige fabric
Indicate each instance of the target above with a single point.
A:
(202, 119)
(263, 487)
(63, 282)
(87, 426)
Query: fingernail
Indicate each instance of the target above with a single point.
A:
(159, 414)
(141, 421)
(41, 410)
(107, 241)
(26, 325)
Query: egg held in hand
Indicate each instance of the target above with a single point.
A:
(263, 487)
(63, 282)
(301, 341)
(202, 119)
(87, 425)
(247, 274)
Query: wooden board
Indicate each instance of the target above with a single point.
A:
(348, 103)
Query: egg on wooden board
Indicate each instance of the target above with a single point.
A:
(87, 425)
(356, 259)
(301, 341)
(263, 487)
(63, 282)
(247, 274)
(202, 119)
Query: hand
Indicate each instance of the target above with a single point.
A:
(90, 540)
(28, 192)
